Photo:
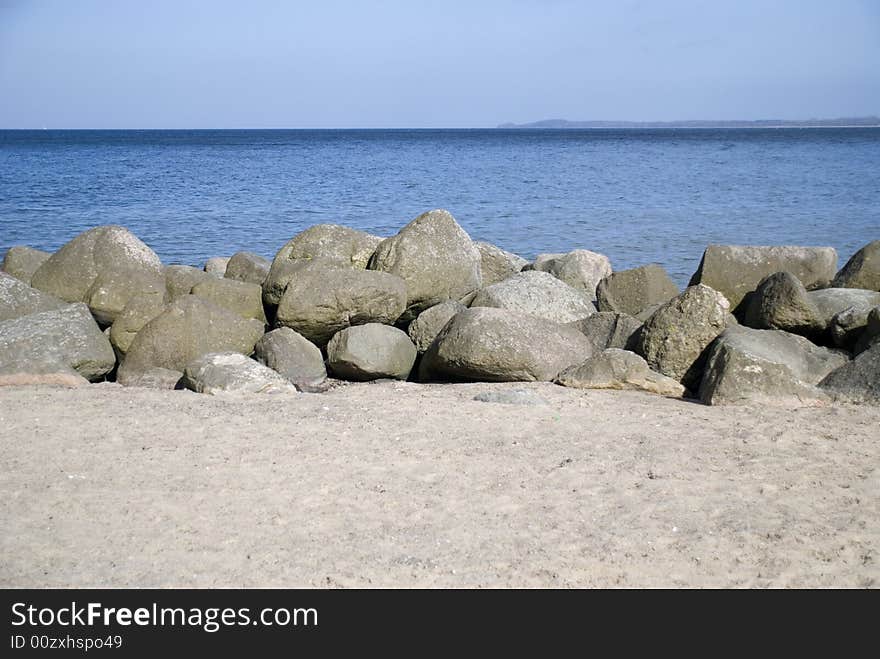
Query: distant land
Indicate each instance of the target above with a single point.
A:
(860, 122)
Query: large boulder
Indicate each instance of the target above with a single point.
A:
(581, 269)
(343, 246)
(139, 311)
(188, 328)
(782, 302)
(608, 329)
(293, 356)
(496, 264)
(66, 337)
(248, 267)
(857, 381)
(216, 265)
(736, 270)
(871, 334)
(538, 294)
(753, 365)
(102, 267)
(370, 352)
(232, 372)
(321, 300)
(862, 270)
(17, 299)
(180, 279)
(241, 297)
(424, 329)
(435, 257)
(674, 340)
(632, 291)
(619, 369)
(843, 312)
(499, 345)
(22, 262)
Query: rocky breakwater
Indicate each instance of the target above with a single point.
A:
(757, 325)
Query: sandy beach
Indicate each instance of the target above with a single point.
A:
(393, 484)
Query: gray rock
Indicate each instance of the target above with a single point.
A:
(435, 257)
(496, 264)
(321, 300)
(67, 337)
(293, 356)
(498, 345)
(216, 265)
(513, 397)
(139, 311)
(857, 381)
(538, 294)
(871, 333)
(632, 291)
(232, 372)
(370, 352)
(284, 270)
(736, 270)
(424, 329)
(188, 328)
(619, 369)
(102, 267)
(29, 372)
(608, 329)
(248, 267)
(180, 279)
(240, 297)
(781, 302)
(17, 299)
(843, 312)
(581, 269)
(847, 326)
(674, 340)
(862, 270)
(22, 262)
(344, 247)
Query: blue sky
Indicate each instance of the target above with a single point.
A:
(335, 63)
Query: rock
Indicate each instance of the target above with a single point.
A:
(847, 326)
(499, 345)
(188, 328)
(496, 264)
(370, 352)
(66, 337)
(424, 329)
(436, 259)
(608, 329)
(619, 369)
(871, 333)
(344, 247)
(283, 271)
(139, 311)
(735, 270)
(538, 294)
(102, 267)
(232, 372)
(248, 267)
(674, 340)
(216, 265)
(151, 378)
(28, 372)
(17, 299)
(781, 302)
(180, 279)
(240, 297)
(857, 381)
(581, 269)
(293, 356)
(514, 397)
(22, 262)
(755, 365)
(633, 291)
(321, 300)
(112, 289)
(862, 270)
(843, 311)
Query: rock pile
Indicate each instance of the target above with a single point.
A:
(756, 325)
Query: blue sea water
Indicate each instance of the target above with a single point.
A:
(639, 196)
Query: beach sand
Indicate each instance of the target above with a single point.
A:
(393, 484)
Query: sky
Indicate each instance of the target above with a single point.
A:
(415, 63)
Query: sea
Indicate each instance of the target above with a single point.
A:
(637, 195)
